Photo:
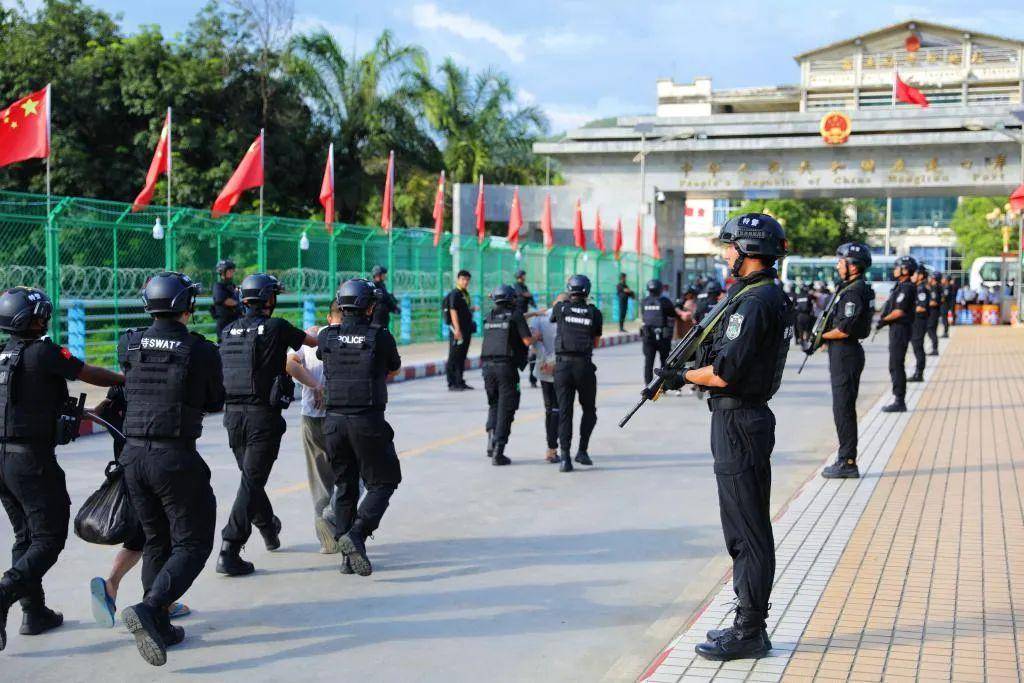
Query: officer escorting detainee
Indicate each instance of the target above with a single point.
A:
(507, 339)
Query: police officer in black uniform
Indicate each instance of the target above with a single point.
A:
(35, 417)
(804, 307)
(226, 306)
(898, 314)
(623, 294)
(849, 323)
(359, 357)
(386, 301)
(524, 302)
(658, 315)
(707, 299)
(253, 353)
(578, 333)
(741, 362)
(172, 378)
(934, 310)
(946, 304)
(507, 339)
(920, 326)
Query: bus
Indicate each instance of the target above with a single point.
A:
(809, 270)
(988, 271)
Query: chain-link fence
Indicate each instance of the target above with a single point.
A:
(94, 258)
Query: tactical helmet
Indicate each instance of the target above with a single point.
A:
(755, 234)
(378, 270)
(713, 287)
(937, 274)
(578, 285)
(907, 263)
(690, 290)
(260, 287)
(170, 292)
(503, 294)
(224, 265)
(654, 286)
(19, 306)
(520, 273)
(356, 294)
(857, 253)
(922, 269)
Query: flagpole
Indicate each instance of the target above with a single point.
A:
(263, 177)
(169, 168)
(48, 201)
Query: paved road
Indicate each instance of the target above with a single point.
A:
(481, 573)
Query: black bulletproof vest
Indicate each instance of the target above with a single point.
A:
(29, 412)
(575, 329)
(653, 314)
(156, 372)
(350, 372)
(238, 356)
(496, 334)
(804, 305)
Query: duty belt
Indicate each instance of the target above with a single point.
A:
(731, 403)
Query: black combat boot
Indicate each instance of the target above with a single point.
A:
(490, 443)
(142, 623)
(7, 598)
(171, 634)
(346, 566)
(933, 352)
(916, 377)
(566, 465)
(272, 536)
(39, 620)
(499, 455)
(897, 406)
(746, 639)
(582, 458)
(230, 562)
(842, 468)
(353, 544)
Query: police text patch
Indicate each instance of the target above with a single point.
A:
(735, 326)
(901, 297)
(849, 309)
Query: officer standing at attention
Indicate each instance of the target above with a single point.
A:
(34, 419)
(707, 299)
(386, 301)
(898, 314)
(226, 306)
(359, 358)
(850, 322)
(253, 352)
(579, 332)
(507, 338)
(458, 314)
(934, 310)
(741, 362)
(946, 304)
(920, 326)
(172, 378)
(804, 305)
(658, 323)
(624, 294)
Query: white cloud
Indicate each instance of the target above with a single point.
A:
(568, 41)
(429, 16)
(525, 97)
(345, 35)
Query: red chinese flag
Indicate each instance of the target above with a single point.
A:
(515, 220)
(386, 217)
(25, 128)
(909, 94)
(599, 233)
(248, 175)
(160, 164)
(617, 247)
(481, 226)
(327, 191)
(579, 237)
(639, 235)
(655, 247)
(546, 226)
(1017, 199)
(439, 210)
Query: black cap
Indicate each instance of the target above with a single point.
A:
(503, 294)
(713, 287)
(855, 252)
(170, 292)
(19, 306)
(378, 270)
(260, 287)
(755, 234)
(520, 273)
(225, 265)
(356, 294)
(578, 285)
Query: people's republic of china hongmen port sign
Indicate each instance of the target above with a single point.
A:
(835, 128)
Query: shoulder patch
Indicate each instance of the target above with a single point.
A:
(734, 327)
(901, 297)
(850, 309)
(64, 352)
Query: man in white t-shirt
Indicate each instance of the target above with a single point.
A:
(308, 370)
(544, 332)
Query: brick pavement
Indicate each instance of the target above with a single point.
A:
(914, 571)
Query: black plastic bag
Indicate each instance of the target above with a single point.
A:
(107, 516)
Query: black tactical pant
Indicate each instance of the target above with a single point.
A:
(34, 493)
(551, 420)
(361, 446)
(655, 347)
(623, 308)
(575, 375)
(741, 443)
(254, 434)
(455, 368)
(802, 327)
(169, 486)
(899, 339)
(501, 381)
(917, 335)
(944, 319)
(845, 365)
(933, 331)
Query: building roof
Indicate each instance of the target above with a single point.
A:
(904, 26)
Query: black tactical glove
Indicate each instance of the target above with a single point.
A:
(880, 324)
(671, 379)
(807, 346)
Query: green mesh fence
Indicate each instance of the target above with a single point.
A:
(94, 257)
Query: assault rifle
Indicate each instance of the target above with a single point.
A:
(821, 326)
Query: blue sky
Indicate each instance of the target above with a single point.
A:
(581, 60)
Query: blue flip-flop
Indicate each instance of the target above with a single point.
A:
(103, 607)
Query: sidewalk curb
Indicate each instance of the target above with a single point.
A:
(418, 371)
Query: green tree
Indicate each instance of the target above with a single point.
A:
(814, 227)
(974, 235)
